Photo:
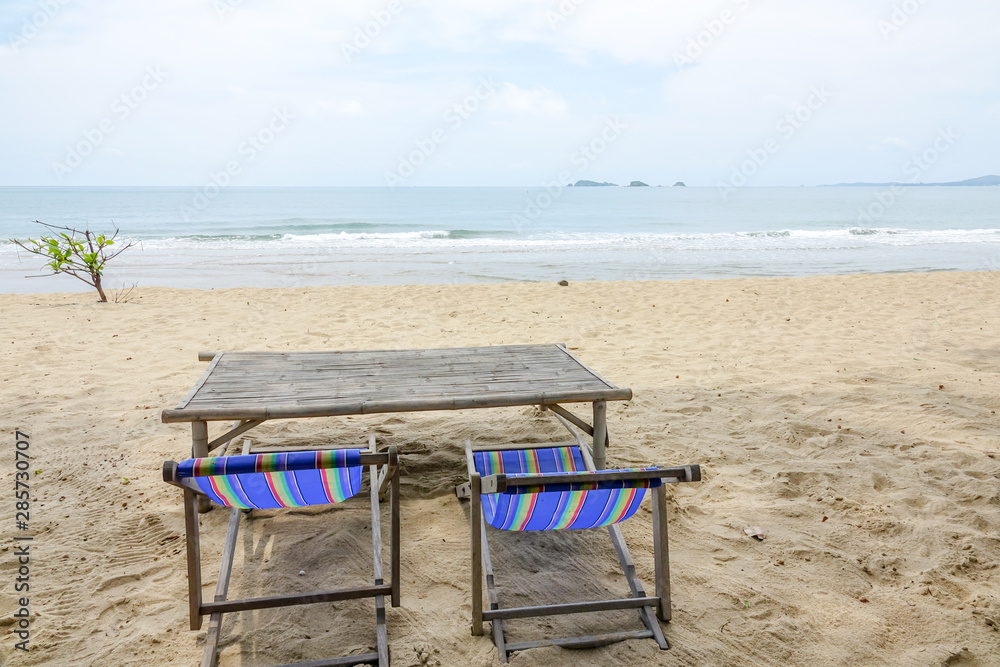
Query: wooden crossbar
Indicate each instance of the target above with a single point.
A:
(366, 459)
(283, 449)
(291, 600)
(500, 482)
(569, 416)
(568, 419)
(360, 659)
(526, 445)
(239, 429)
(334, 409)
(589, 641)
(569, 608)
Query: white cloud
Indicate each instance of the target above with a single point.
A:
(606, 58)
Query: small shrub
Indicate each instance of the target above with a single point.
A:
(82, 254)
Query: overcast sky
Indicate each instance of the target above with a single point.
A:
(177, 92)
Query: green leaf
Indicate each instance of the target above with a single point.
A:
(68, 252)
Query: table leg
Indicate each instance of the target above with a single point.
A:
(199, 448)
(600, 434)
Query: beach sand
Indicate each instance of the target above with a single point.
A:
(854, 418)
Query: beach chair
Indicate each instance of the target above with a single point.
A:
(554, 486)
(287, 479)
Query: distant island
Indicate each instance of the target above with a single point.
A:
(638, 184)
(981, 181)
(594, 184)
(679, 184)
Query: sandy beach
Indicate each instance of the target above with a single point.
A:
(854, 418)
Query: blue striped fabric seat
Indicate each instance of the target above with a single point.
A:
(262, 481)
(554, 506)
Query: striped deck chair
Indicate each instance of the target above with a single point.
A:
(278, 480)
(554, 486)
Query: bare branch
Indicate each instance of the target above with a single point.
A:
(53, 227)
(121, 295)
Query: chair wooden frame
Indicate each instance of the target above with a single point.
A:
(389, 461)
(482, 563)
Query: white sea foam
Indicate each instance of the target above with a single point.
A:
(363, 236)
(829, 239)
(426, 235)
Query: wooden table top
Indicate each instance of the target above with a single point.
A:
(281, 385)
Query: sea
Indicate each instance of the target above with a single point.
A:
(296, 237)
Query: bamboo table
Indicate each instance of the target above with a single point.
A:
(254, 387)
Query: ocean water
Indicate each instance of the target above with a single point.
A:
(280, 237)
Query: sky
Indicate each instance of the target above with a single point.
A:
(513, 93)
